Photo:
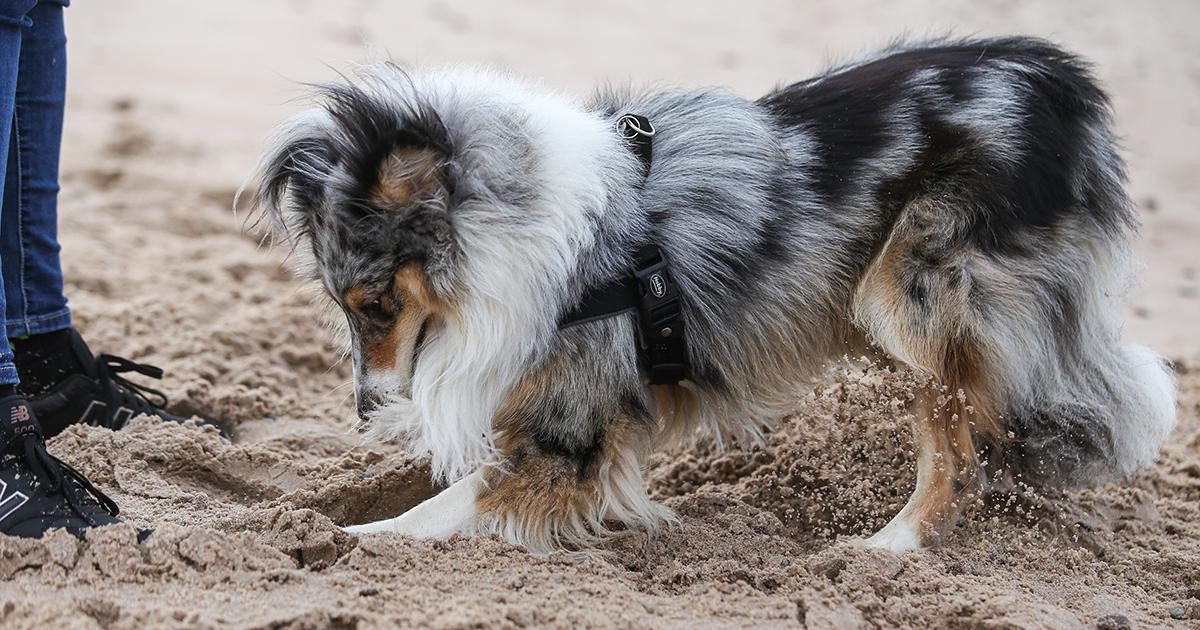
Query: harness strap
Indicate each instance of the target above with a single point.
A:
(648, 288)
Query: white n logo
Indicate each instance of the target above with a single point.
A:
(9, 503)
(97, 413)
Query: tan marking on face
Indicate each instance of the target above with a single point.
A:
(412, 281)
(357, 298)
(405, 176)
(412, 302)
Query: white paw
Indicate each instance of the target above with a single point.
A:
(897, 537)
(378, 527)
(449, 512)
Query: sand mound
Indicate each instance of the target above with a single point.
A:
(245, 532)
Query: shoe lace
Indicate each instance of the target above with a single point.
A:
(121, 392)
(53, 474)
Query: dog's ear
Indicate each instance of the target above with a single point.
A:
(408, 175)
(290, 176)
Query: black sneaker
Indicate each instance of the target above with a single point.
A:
(99, 395)
(38, 491)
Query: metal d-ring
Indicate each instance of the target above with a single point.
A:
(631, 126)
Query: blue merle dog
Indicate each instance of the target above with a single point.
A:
(955, 206)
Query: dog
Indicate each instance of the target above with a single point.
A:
(956, 206)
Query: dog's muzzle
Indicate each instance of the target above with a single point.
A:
(369, 401)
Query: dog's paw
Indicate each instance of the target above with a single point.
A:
(451, 511)
(856, 542)
(897, 537)
(377, 527)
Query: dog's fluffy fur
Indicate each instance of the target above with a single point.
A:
(957, 206)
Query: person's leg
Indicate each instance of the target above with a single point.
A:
(63, 381)
(40, 493)
(37, 320)
(12, 22)
(33, 282)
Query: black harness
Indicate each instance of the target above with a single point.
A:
(648, 288)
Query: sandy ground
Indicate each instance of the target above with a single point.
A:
(169, 102)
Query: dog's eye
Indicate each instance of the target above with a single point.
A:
(376, 310)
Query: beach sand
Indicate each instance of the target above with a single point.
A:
(170, 101)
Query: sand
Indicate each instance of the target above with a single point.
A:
(169, 102)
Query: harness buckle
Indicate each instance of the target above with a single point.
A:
(661, 317)
(657, 294)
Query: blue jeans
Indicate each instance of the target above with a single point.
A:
(33, 82)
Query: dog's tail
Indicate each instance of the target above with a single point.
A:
(1079, 406)
(1108, 416)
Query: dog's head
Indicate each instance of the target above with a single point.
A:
(444, 212)
(361, 187)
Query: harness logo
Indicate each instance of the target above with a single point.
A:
(658, 285)
(10, 503)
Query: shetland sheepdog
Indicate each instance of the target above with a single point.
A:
(956, 206)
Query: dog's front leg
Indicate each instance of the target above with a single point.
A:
(451, 511)
(549, 498)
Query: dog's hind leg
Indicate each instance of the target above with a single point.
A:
(914, 301)
(947, 469)
(451, 511)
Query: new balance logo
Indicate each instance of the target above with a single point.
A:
(10, 502)
(20, 421)
(97, 414)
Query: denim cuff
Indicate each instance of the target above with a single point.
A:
(13, 12)
(38, 324)
(18, 22)
(8, 373)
